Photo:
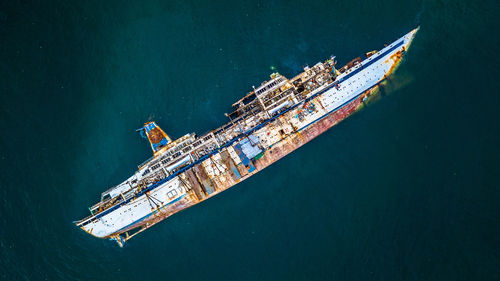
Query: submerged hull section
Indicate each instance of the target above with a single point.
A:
(234, 158)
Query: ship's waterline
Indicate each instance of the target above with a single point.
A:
(268, 123)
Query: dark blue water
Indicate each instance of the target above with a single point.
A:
(407, 189)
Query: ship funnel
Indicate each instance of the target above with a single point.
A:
(155, 135)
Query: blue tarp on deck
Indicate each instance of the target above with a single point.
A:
(249, 146)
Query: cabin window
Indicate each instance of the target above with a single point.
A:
(171, 194)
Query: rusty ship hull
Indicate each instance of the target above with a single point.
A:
(270, 122)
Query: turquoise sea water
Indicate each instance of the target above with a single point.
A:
(407, 189)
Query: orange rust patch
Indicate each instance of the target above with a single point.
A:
(155, 135)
